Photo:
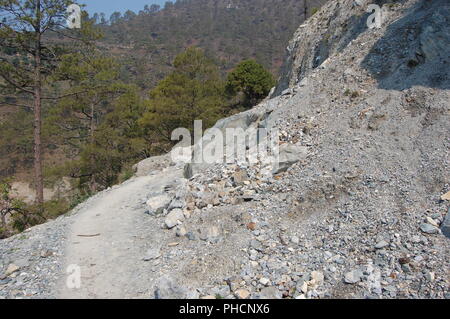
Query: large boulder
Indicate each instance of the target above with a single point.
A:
(159, 203)
(289, 154)
(251, 119)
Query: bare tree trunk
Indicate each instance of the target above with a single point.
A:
(37, 113)
(92, 122)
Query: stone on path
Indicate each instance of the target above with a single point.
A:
(429, 229)
(173, 218)
(353, 277)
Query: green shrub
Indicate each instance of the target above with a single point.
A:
(252, 80)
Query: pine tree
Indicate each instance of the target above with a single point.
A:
(74, 119)
(25, 33)
(193, 91)
(117, 143)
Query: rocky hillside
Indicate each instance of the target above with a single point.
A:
(358, 209)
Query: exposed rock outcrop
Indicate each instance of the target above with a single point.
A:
(412, 48)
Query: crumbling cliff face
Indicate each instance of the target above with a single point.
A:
(410, 50)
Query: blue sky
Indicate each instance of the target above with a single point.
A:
(109, 6)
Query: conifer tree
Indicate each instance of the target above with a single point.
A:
(193, 91)
(29, 56)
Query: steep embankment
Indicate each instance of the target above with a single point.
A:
(357, 211)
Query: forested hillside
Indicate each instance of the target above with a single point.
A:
(229, 30)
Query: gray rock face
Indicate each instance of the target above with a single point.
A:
(250, 119)
(429, 229)
(318, 38)
(325, 35)
(353, 277)
(289, 155)
(419, 58)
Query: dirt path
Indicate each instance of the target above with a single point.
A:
(107, 238)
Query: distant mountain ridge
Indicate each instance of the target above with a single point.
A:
(229, 30)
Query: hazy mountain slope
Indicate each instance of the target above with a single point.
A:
(229, 30)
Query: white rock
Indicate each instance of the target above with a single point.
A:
(264, 281)
(317, 278)
(181, 231)
(158, 203)
(431, 221)
(174, 218)
(11, 269)
(304, 287)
